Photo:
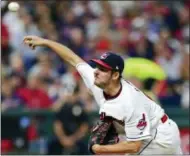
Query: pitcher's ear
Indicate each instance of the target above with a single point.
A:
(115, 75)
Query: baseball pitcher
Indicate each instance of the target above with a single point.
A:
(148, 129)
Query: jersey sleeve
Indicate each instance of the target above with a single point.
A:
(137, 124)
(87, 74)
(138, 129)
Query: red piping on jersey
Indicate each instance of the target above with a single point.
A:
(109, 97)
(164, 118)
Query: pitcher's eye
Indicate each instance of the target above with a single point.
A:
(102, 69)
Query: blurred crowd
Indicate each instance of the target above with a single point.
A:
(158, 31)
(39, 79)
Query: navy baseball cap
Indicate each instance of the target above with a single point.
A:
(110, 61)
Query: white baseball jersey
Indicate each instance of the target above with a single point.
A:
(140, 115)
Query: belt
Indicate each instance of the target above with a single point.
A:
(164, 118)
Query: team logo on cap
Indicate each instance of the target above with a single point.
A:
(104, 56)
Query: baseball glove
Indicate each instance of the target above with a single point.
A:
(103, 133)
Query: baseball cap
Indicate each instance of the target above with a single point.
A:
(110, 61)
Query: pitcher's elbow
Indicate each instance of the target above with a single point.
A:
(136, 147)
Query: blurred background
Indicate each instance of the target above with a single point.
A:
(45, 107)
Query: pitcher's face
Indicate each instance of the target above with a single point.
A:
(102, 76)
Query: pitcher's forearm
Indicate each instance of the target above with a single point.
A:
(64, 52)
(119, 148)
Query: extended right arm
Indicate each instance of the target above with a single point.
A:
(85, 70)
(64, 52)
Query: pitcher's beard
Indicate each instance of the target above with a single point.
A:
(100, 85)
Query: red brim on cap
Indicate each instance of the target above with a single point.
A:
(101, 63)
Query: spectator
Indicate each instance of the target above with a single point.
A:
(169, 59)
(44, 67)
(68, 80)
(142, 48)
(16, 63)
(70, 133)
(10, 99)
(32, 95)
(17, 70)
(76, 42)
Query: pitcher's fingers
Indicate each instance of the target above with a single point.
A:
(28, 38)
(33, 47)
(27, 42)
(24, 40)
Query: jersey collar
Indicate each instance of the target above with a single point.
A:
(108, 97)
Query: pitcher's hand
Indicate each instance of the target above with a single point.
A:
(33, 41)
